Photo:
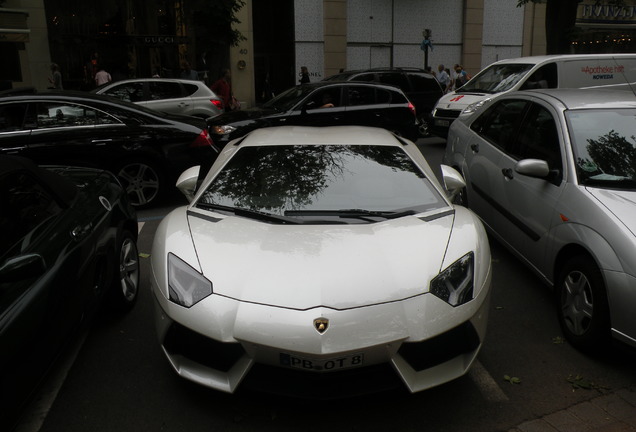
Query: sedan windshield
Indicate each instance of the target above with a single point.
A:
(604, 147)
(311, 183)
(496, 78)
(288, 99)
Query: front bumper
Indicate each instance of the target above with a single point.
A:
(425, 341)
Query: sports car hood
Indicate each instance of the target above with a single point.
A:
(305, 266)
(621, 203)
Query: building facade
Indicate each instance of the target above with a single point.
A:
(141, 38)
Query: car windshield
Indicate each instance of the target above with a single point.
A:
(604, 147)
(288, 99)
(317, 183)
(496, 78)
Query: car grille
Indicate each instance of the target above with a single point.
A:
(446, 113)
(432, 352)
(196, 347)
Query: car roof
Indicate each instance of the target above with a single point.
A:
(177, 80)
(587, 98)
(333, 135)
(546, 58)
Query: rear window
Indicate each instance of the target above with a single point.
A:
(190, 89)
(425, 83)
(164, 90)
(396, 79)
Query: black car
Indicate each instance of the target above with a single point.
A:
(146, 149)
(420, 86)
(67, 243)
(323, 104)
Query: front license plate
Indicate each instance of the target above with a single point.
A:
(444, 123)
(336, 363)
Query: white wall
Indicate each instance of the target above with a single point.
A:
(309, 36)
(503, 31)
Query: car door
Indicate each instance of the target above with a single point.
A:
(525, 206)
(367, 108)
(127, 91)
(14, 135)
(323, 107)
(492, 132)
(168, 96)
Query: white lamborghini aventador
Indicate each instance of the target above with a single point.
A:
(316, 253)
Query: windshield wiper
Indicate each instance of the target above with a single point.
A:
(249, 213)
(352, 213)
(610, 184)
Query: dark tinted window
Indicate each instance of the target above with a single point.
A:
(129, 92)
(424, 83)
(538, 138)
(61, 114)
(164, 90)
(384, 97)
(361, 95)
(326, 98)
(190, 89)
(25, 206)
(12, 116)
(499, 124)
(394, 78)
(364, 77)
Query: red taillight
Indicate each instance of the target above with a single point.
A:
(204, 139)
(217, 103)
(412, 108)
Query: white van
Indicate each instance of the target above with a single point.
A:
(566, 71)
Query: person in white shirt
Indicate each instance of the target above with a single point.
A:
(443, 78)
(102, 77)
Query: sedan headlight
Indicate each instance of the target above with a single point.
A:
(223, 129)
(455, 284)
(186, 286)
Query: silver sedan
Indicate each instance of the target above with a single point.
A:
(552, 173)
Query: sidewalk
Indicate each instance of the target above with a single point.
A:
(614, 412)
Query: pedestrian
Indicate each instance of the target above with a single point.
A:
(267, 92)
(102, 77)
(56, 77)
(188, 73)
(223, 88)
(443, 78)
(462, 76)
(304, 75)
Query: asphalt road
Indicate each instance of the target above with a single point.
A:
(116, 378)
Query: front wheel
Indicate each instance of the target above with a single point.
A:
(583, 308)
(142, 180)
(125, 285)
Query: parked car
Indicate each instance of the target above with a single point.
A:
(146, 149)
(552, 173)
(323, 104)
(67, 242)
(174, 96)
(330, 250)
(420, 87)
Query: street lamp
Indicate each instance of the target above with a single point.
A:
(426, 43)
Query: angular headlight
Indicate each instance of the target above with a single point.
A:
(186, 286)
(223, 129)
(455, 284)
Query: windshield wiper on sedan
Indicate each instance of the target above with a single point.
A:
(249, 213)
(621, 183)
(352, 213)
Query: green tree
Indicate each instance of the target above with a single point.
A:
(560, 21)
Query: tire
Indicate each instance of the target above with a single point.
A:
(125, 287)
(142, 180)
(582, 304)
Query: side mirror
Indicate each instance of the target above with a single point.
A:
(453, 181)
(187, 182)
(309, 106)
(22, 267)
(533, 168)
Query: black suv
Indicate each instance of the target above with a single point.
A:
(421, 87)
(323, 104)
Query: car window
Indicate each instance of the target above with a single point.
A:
(129, 92)
(164, 90)
(12, 116)
(60, 114)
(500, 122)
(360, 95)
(25, 207)
(424, 83)
(190, 89)
(544, 77)
(326, 98)
(538, 138)
(394, 78)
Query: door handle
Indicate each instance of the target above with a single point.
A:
(507, 173)
(474, 148)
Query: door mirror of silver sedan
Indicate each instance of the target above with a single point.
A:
(187, 182)
(453, 181)
(533, 168)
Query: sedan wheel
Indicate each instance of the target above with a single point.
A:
(142, 182)
(126, 284)
(582, 304)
